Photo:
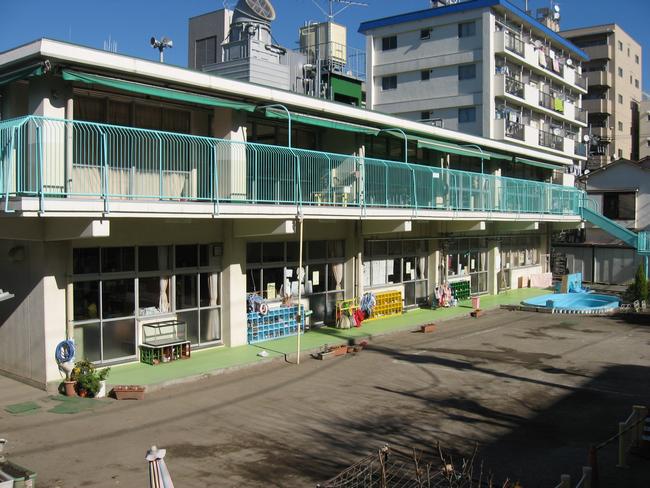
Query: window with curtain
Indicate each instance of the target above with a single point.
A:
(114, 286)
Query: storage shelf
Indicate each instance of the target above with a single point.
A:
(278, 322)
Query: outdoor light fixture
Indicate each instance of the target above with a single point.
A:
(161, 45)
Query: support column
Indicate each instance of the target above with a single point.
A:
(234, 288)
(434, 268)
(231, 158)
(494, 264)
(353, 269)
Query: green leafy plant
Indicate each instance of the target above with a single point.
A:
(87, 377)
(639, 289)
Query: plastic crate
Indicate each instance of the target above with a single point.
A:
(388, 303)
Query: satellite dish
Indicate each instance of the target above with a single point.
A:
(585, 138)
(556, 8)
(569, 62)
(556, 131)
(556, 15)
(262, 8)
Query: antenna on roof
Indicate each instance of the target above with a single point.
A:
(331, 13)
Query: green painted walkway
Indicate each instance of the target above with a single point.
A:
(210, 360)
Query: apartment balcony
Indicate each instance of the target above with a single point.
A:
(596, 105)
(508, 130)
(510, 45)
(551, 141)
(506, 86)
(579, 114)
(599, 52)
(580, 149)
(599, 78)
(72, 167)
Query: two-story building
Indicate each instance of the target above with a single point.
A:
(483, 67)
(133, 191)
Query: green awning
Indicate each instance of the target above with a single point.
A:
(539, 164)
(448, 147)
(321, 122)
(156, 91)
(19, 74)
(494, 155)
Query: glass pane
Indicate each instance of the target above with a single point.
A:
(119, 339)
(253, 280)
(151, 300)
(395, 248)
(409, 294)
(409, 269)
(86, 300)
(273, 252)
(154, 258)
(317, 249)
(209, 290)
(192, 321)
(335, 249)
(210, 325)
(254, 252)
(316, 278)
(293, 252)
(118, 299)
(85, 260)
(204, 255)
(318, 305)
(87, 342)
(394, 270)
(421, 296)
(118, 259)
(272, 279)
(185, 291)
(186, 256)
(330, 316)
(379, 248)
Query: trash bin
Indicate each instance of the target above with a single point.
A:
(476, 303)
(22, 477)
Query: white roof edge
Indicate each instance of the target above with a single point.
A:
(96, 58)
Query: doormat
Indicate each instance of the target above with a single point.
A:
(70, 405)
(18, 408)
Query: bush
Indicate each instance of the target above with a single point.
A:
(639, 289)
(87, 376)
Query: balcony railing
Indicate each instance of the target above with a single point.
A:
(514, 130)
(550, 140)
(514, 43)
(581, 115)
(580, 149)
(514, 87)
(41, 157)
(581, 81)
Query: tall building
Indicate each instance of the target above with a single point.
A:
(484, 67)
(644, 127)
(614, 72)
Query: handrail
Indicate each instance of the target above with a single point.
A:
(115, 162)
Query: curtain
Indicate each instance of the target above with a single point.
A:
(212, 327)
(163, 302)
(337, 273)
(422, 263)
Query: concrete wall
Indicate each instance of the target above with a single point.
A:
(33, 322)
(202, 26)
(644, 129)
(441, 54)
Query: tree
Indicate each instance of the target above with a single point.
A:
(639, 289)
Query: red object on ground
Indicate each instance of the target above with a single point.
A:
(359, 316)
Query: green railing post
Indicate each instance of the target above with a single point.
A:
(105, 186)
(39, 159)
(160, 167)
(7, 176)
(215, 180)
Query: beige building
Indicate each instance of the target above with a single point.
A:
(614, 73)
(644, 127)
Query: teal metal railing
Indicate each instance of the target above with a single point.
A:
(60, 158)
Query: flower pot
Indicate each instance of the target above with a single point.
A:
(83, 393)
(102, 389)
(69, 388)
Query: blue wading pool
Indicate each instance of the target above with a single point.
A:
(575, 302)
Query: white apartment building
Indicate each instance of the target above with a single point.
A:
(483, 67)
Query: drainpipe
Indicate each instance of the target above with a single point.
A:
(278, 105)
(406, 149)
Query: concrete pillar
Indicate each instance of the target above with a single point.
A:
(234, 288)
(434, 267)
(487, 28)
(494, 264)
(353, 272)
(230, 158)
(56, 256)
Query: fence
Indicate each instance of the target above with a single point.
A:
(62, 158)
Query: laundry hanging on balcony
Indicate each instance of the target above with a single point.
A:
(558, 104)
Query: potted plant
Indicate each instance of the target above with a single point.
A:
(87, 378)
(102, 375)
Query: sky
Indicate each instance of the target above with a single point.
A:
(132, 23)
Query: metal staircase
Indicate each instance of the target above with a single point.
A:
(638, 241)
